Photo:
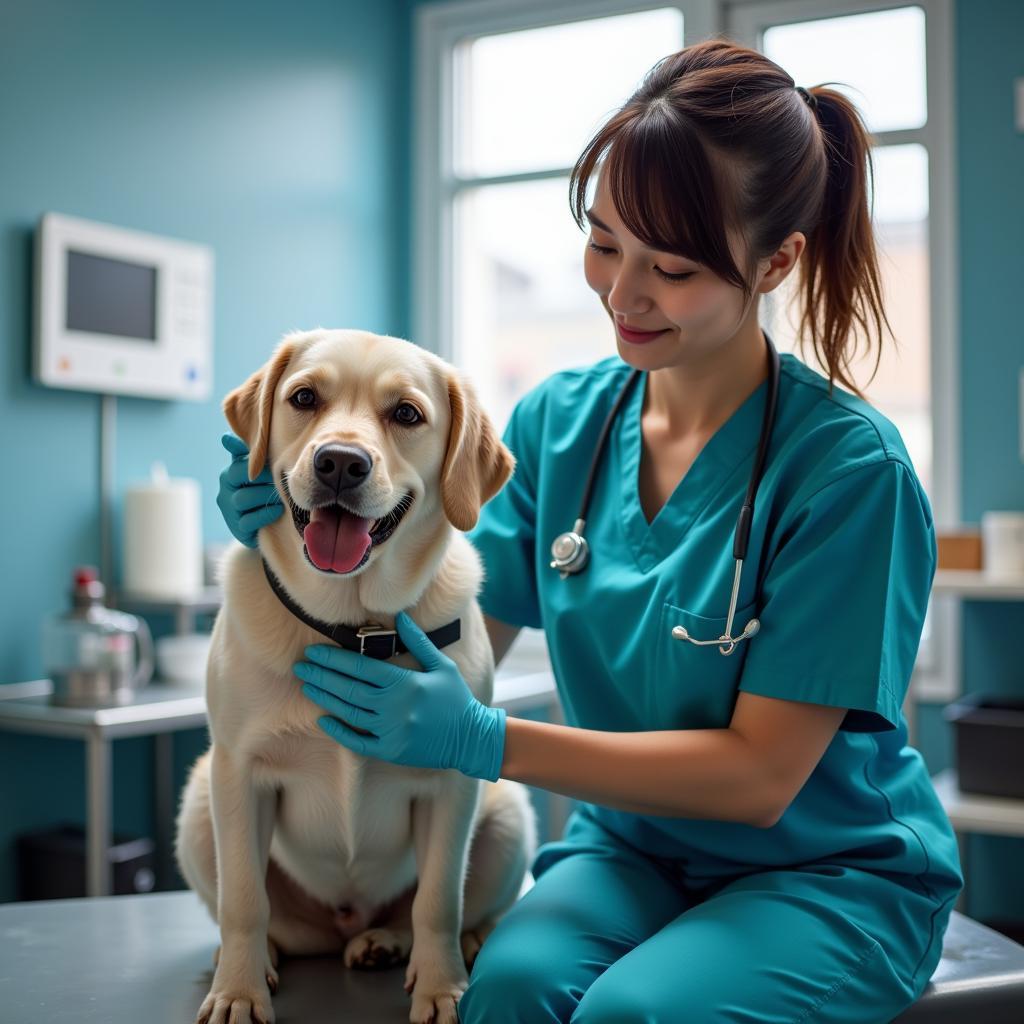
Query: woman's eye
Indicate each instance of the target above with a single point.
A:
(605, 250)
(407, 414)
(304, 398)
(674, 277)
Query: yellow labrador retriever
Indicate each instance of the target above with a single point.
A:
(294, 843)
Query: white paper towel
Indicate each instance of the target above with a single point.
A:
(163, 551)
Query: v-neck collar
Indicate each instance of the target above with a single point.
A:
(733, 442)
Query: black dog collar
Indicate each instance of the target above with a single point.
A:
(372, 639)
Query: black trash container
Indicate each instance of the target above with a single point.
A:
(989, 744)
(51, 864)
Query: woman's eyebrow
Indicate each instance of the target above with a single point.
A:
(604, 227)
(600, 223)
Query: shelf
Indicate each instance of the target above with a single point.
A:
(972, 583)
(968, 812)
(209, 599)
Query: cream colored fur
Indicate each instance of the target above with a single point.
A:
(293, 842)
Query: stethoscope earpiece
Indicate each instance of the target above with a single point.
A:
(723, 642)
(569, 550)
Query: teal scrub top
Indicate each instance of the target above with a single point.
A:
(843, 534)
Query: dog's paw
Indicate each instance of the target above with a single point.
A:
(237, 1003)
(436, 989)
(378, 948)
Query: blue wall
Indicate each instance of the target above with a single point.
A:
(280, 136)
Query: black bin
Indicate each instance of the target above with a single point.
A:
(51, 864)
(989, 744)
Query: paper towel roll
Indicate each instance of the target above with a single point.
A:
(163, 550)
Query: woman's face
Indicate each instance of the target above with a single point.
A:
(685, 311)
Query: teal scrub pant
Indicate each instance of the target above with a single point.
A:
(611, 934)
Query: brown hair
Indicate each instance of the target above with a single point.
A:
(717, 135)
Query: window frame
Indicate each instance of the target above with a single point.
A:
(439, 28)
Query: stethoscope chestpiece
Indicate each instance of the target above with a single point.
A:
(570, 551)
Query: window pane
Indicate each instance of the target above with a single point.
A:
(901, 388)
(522, 306)
(530, 100)
(878, 58)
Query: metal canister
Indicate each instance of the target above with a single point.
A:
(95, 655)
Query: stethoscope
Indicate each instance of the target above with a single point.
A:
(570, 551)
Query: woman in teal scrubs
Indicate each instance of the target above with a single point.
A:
(755, 840)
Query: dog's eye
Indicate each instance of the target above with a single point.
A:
(304, 398)
(407, 414)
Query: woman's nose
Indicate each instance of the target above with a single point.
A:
(626, 298)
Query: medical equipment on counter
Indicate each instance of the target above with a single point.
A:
(570, 551)
(163, 552)
(90, 652)
(122, 312)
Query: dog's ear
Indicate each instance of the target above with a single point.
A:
(249, 406)
(477, 463)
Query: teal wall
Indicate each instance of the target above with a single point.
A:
(990, 55)
(275, 133)
(280, 137)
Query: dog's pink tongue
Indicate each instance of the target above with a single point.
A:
(335, 539)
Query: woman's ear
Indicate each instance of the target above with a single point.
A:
(249, 407)
(477, 464)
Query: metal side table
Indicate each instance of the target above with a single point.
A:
(159, 710)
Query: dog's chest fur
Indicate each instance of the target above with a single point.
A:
(343, 826)
(343, 823)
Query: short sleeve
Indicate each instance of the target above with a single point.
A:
(506, 530)
(845, 595)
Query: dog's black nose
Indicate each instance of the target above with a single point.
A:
(341, 467)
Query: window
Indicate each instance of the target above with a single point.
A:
(521, 308)
(508, 96)
(502, 118)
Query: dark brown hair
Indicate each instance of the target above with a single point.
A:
(718, 137)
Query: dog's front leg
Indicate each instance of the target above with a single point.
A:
(442, 827)
(243, 823)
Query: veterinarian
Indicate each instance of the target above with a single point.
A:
(756, 841)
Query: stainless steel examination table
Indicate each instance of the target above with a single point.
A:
(131, 959)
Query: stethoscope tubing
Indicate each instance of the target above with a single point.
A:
(570, 551)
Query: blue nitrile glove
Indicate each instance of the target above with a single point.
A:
(246, 505)
(426, 719)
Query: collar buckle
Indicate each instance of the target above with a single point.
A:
(376, 634)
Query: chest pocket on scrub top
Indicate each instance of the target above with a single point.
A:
(696, 687)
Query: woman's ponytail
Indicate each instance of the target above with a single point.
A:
(839, 274)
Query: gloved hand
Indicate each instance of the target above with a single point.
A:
(426, 719)
(247, 505)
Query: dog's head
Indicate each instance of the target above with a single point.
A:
(365, 433)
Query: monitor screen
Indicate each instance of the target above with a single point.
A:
(106, 296)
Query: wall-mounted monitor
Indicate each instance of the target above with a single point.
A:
(122, 312)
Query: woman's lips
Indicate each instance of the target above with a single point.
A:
(637, 337)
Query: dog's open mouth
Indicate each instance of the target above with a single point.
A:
(338, 540)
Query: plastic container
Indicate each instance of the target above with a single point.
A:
(51, 864)
(182, 658)
(989, 732)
